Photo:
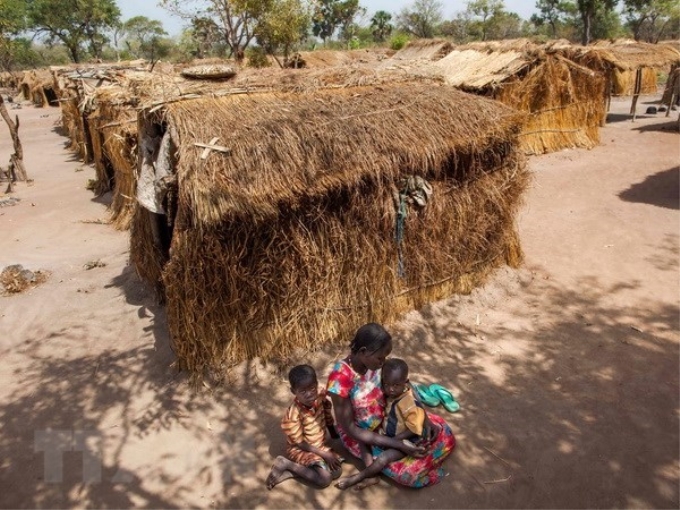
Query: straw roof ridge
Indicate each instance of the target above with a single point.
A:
(284, 147)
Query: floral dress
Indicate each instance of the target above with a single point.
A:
(368, 403)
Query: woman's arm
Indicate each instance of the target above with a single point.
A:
(345, 417)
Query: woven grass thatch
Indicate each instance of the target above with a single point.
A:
(284, 236)
(423, 49)
(566, 101)
(336, 58)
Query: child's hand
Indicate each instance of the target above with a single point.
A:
(332, 460)
(412, 450)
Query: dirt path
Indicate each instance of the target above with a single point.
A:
(566, 370)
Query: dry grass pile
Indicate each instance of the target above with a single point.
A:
(15, 279)
(10, 80)
(284, 237)
(566, 101)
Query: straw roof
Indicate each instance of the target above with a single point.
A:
(282, 148)
(627, 56)
(423, 49)
(473, 69)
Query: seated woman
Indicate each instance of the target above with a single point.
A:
(359, 403)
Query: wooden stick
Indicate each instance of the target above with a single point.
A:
(499, 458)
(16, 161)
(501, 480)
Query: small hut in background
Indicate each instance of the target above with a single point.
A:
(565, 101)
(277, 221)
(38, 86)
(635, 65)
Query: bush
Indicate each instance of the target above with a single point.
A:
(257, 57)
(398, 41)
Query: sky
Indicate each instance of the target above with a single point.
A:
(173, 25)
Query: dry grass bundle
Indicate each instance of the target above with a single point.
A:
(336, 58)
(566, 102)
(15, 279)
(623, 82)
(288, 239)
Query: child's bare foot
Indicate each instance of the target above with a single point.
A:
(279, 473)
(367, 482)
(356, 481)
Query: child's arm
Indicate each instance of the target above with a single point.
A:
(331, 458)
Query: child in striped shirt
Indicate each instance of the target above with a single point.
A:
(305, 424)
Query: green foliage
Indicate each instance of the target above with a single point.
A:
(398, 41)
(144, 38)
(234, 21)
(256, 56)
(652, 20)
(283, 27)
(328, 15)
(422, 19)
(75, 23)
(381, 26)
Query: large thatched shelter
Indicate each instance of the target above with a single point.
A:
(566, 101)
(277, 221)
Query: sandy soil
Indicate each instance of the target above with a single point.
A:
(566, 369)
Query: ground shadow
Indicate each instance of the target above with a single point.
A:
(661, 189)
(671, 125)
(577, 410)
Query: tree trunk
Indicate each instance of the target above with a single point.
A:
(17, 170)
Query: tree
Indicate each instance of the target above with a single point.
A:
(552, 12)
(145, 38)
(381, 26)
(235, 19)
(284, 26)
(11, 24)
(650, 19)
(74, 22)
(328, 15)
(588, 11)
(422, 19)
(487, 14)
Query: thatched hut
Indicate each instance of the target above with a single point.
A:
(38, 86)
(635, 65)
(276, 221)
(335, 58)
(565, 100)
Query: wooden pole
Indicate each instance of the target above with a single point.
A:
(636, 91)
(16, 168)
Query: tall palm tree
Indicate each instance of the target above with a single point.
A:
(380, 23)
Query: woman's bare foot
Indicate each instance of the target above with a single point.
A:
(279, 473)
(356, 481)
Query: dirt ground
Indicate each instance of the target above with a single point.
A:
(567, 369)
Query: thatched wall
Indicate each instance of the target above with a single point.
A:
(566, 101)
(287, 239)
